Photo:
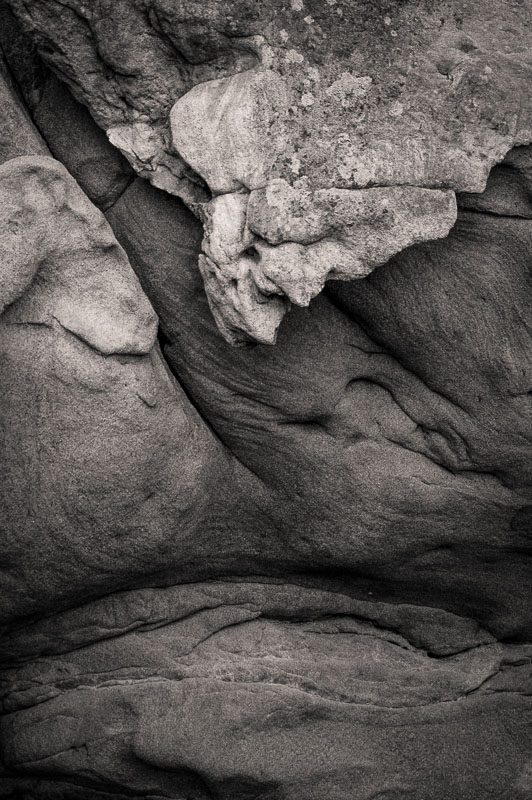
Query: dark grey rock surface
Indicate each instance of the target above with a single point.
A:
(289, 572)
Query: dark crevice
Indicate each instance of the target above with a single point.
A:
(193, 784)
(164, 344)
(471, 210)
(164, 341)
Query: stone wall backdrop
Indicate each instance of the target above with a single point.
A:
(265, 399)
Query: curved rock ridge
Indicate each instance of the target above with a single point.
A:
(235, 687)
(48, 227)
(231, 97)
(93, 488)
(438, 632)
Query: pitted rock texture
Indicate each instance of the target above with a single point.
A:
(298, 572)
(295, 240)
(227, 98)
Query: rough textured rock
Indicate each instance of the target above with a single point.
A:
(18, 136)
(238, 699)
(101, 171)
(331, 233)
(320, 95)
(87, 403)
(298, 572)
(346, 426)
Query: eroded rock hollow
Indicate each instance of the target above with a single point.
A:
(265, 363)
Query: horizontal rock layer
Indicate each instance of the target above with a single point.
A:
(237, 690)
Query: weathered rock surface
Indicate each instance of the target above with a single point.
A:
(247, 690)
(345, 425)
(295, 240)
(17, 136)
(298, 572)
(93, 488)
(101, 171)
(85, 397)
(228, 98)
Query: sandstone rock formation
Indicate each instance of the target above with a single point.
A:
(289, 572)
(217, 101)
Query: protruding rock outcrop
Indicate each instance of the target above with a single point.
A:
(230, 97)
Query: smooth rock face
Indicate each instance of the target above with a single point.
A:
(228, 98)
(85, 396)
(298, 572)
(52, 239)
(345, 426)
